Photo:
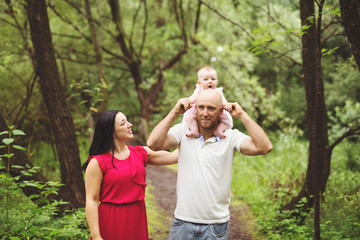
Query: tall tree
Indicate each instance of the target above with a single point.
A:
(319, 162)
(137, 54)
(320, 151)
(100, 68)
(54, 97)
(132, 58)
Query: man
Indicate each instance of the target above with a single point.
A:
(205, 165)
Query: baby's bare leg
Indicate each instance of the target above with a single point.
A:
(220, 129)
(193, 128)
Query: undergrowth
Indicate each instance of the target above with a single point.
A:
(266, 183)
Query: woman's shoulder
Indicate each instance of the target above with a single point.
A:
(140, 153)
(138, 149)
(100, 157)
(103, 159)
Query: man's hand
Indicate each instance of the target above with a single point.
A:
(234, 109)
(182, 105)
(159, 139)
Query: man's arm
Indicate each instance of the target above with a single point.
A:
(258, 143)
(159, 138)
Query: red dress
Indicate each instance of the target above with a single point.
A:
(122, 213)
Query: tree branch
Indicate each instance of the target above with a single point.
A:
(197, 19)
(352, 132)
(87, 38)
(227, 19)
(121, 36)
(274, 19)
(144, 28)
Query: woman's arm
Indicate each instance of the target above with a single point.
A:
(93, 179)
(162, 157)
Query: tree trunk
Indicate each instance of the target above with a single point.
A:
(54, 96)
(350, 14)
(133, 61)
(98, 57)
(100, 68)
(319, 160)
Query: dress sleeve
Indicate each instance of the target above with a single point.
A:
(100, 161)
(144, 154)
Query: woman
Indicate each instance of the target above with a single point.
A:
(115, 176)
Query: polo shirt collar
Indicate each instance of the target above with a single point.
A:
(212, 139)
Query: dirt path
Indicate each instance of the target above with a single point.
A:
(164, 182)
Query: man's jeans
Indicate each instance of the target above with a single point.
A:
(181, 230)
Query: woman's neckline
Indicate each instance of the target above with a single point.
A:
(120, 159)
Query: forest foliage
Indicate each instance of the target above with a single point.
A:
(140, 57)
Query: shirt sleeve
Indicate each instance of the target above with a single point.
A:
(237, 138)
(177, 131)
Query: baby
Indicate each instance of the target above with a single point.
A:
(207, 78)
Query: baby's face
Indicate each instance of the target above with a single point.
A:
(208, 79)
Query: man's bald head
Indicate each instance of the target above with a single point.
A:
(210, 96)
(208, 110)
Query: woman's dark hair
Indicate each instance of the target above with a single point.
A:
(103, 139)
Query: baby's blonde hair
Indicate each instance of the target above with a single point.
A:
(206, 68)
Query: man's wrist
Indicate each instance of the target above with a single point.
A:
(174, 113)
(243, 115)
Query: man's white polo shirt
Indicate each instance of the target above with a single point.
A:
(204, 175)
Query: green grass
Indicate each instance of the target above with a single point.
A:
(268, 182)
(159, 222)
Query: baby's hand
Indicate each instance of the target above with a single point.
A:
(234, 109)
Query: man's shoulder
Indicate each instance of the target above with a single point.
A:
(234, 133)
(178, 130)
(178, 126)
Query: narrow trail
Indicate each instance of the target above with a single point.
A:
(163, 180)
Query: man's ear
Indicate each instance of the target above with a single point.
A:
(221, 109)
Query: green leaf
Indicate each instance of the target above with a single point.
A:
(16, 228)
(291, 30)
(18, 132)
(33, 196)
(26, 173)
(336, 12)
(7, 141)
(14, 238)
(19, 147)
(8, 155)
(4, 132)
(29, 184)
(16, 166)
